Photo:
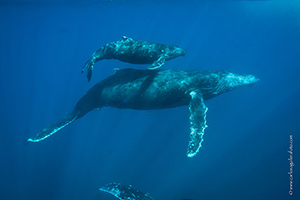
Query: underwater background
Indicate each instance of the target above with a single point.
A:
(43, 47)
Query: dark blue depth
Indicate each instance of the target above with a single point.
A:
(43, 47)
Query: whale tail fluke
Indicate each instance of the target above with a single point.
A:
(50, 130)
(89, 65)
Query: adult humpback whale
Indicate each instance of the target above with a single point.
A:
(135, 52)
(156, 89)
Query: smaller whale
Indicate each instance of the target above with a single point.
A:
(125, 192)
(156, 89)
(135, 52)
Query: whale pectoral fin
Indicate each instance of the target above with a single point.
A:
(125, 192)
(158, 63)
(47, 132)
(89, 66)
(198, 111)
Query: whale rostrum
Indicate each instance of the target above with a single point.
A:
(156, 89)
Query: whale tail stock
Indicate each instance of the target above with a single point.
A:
(89, 66)
(50, 130)
(83, 106)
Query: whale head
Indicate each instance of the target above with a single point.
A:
(175, 52)
(228, 81)
(238, 80)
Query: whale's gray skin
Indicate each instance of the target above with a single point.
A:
(135, 52)
(125, 192)
(156, 89)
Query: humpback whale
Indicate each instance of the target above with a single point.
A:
(135, 52)
(125, 192)
(156, 89)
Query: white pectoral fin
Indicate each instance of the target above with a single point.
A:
(158, 63)
(198, 111)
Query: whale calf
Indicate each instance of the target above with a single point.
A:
(135, 52)
(156, 89)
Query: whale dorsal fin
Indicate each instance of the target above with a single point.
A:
(198, 111)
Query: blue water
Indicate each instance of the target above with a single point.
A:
(44, 45)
